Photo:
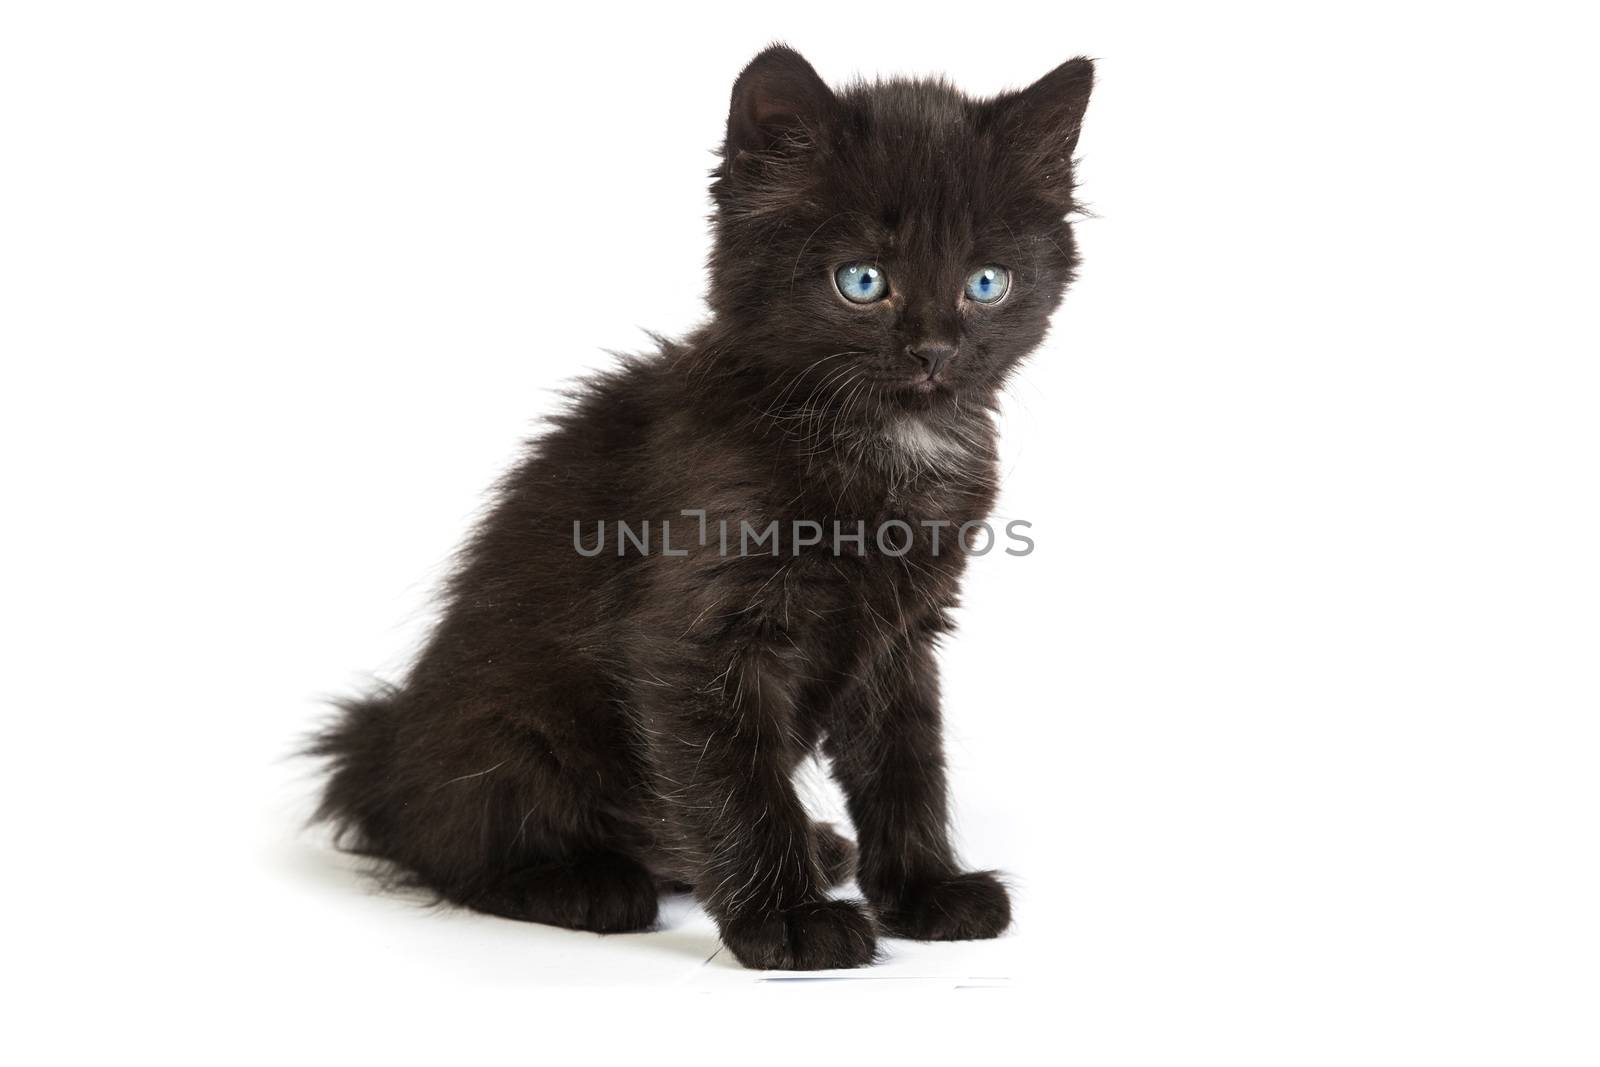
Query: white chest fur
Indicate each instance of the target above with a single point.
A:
(919, 443)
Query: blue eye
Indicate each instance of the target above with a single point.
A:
(988, 284)
(861, 283)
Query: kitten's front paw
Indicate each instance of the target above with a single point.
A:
(963, 907)
(811, 937)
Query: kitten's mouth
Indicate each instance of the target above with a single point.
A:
(921, 384)
(920, 394)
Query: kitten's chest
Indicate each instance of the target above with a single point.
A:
(888, 570)
(893, 547)
(864, 609)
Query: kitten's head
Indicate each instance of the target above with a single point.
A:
(896, 238)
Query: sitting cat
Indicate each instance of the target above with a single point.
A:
(586, 728)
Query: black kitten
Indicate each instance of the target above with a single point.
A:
(605, 711)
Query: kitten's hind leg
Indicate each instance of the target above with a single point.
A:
(605, 892)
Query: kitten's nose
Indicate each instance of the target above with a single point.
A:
(932, 356)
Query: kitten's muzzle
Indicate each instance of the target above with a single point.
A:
(932, 357)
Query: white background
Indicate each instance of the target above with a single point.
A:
(1287, 731)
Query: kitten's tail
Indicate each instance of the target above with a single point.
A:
(359, 748)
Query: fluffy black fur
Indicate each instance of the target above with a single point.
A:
(582, 732)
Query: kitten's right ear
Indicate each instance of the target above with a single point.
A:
(779, 104)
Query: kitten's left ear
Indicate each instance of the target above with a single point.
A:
(1044, 119)
(779, 103)
(1057, 101)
